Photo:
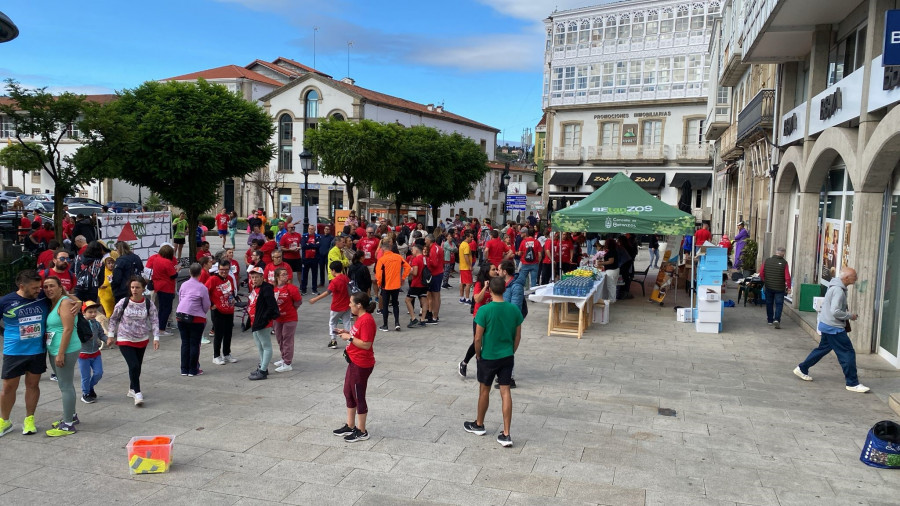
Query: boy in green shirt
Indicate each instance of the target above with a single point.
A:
(497, 334)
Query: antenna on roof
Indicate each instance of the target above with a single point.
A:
(349, 45)
(315, 30)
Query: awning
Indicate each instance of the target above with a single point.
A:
(599, 179)
(697, 180)
(649, 181)
(566, 178)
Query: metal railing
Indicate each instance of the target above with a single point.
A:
(692, 151)
(628, 153)
(758, 113)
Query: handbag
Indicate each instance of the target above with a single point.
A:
(183, 318)
(346, 356)
(847, 326)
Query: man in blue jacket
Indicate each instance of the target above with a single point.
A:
(326, 242)
(309, 247)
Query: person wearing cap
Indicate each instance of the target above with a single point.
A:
(89, 362)
(263, 310)
(739, 241)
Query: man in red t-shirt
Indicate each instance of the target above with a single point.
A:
(369, 246)
(417, 289)
(269, 271)
(290, 247)
(530, 255)
(702, 235)
(60, 270)
(494, 249)
(203, 251)
(435, 263)
(268, 247)
(222, 224)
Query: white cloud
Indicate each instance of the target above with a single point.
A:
(538, 10)
(494, 52)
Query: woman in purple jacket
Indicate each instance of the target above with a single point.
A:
(193, 304)
(739, 241)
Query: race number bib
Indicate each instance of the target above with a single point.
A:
(30, 327)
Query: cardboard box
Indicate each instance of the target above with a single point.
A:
(710, 295)
(685, 314)
(817, 303)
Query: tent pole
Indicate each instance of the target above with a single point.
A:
(693, 274)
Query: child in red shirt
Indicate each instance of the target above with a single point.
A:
(339, 289)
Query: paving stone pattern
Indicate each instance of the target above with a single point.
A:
(586, 427)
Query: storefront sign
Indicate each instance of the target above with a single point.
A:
(790, 125)
(626, 115)
(830, 105)
(793, 124)
(629, 134)
(891, 78)
(885, 91)
(838, 103)
(891, 38)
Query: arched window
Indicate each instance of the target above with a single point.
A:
(312, 109)
(285, 142)
(338, 116)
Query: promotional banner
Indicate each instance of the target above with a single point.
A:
(145, 232)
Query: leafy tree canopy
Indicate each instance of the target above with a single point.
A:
(21, 157)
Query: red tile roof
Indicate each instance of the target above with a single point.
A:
(286, 72)
(97, 99)
(226, 72)
(543, 121)
(400, 103)
(298, 64)
(512, 167)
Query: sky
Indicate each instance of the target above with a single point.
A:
(481, 58)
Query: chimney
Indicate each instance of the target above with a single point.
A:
(439, 109)
(348, 80)
(430, 107)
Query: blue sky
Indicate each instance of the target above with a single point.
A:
(481, 58)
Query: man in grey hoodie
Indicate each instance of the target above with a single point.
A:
(832, 323)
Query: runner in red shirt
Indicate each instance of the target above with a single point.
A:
(361, 355)
(435, 263)
(60, 271)
(530, 254)
(268, 247)
(222, 225)
(290, 248)
(494, 249)
(269, 270)
(288, 298)
(417, 289)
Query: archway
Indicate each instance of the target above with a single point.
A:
(833, 143)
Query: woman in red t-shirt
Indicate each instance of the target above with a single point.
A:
(481, 295)
(288, 298)
(360, 356)
(163, 277)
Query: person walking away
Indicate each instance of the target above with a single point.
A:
(339, 290)
(128, 265)
(369, 247)
(134, 319)
(626, 266)
(777, 281)
(550, 256)
(222, 289)
(268, 246)
(232, 228)
(263, 310)
(90, 365)
(494, 248)
(497, 335)
(514, 294)
(530, 254)
(222, 225)
(288, 298)
(88, 271)
(310, 247)
(179, 232)
(360, 355)
(24, 324)
(703, 235)
(434, 260)
(833, 322)
(653, 246)
(326, 242)
(465, 269)
(359, 275)
(63, 350)
(390, 271)
(417, 289)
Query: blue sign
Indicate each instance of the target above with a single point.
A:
(891, 54)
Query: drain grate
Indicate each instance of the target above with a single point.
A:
(666, 412)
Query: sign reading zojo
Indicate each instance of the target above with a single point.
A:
(623, 210)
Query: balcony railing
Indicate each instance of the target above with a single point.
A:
(758, 114)
(617, 154)
(728, 148)
(567, 155)
(717, 121)
(692, 152)
(756, 13)
(733, 66)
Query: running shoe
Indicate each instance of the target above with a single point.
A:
(284, 368)
(343, 431)
(474, 428)
(397, 327)
(504, 440)
(61, 429)
(463, 300)
(28, 427)
(462, 369)
(218, 360)
(414, 323)
(258, 374)
(5, 427)
(87, 399)
(230, 359)
(357, 435)
(204, 340)
(279, 363)
(138, 399)
(53, 377)
(165, 333)
(383, 328)
(75, 421)
(332, 344)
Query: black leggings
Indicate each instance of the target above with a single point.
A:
(222, 325)
(391, 298)
(545, 274)
(134, 357)
(471, 351)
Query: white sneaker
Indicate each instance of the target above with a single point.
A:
(130, 393)
(138, 399)
(284, 368)
(859, 388)
(204, 340)
(805, 377)
(165, 333)
(218, 360)
(279, 363)
(230, 359)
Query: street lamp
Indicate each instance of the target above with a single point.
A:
(332, 200)
(505, 187)
(305, 166)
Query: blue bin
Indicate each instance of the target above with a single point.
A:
(882, 447)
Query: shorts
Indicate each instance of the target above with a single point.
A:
(178, 241)
(223, 233)
(295, 263)
(502, 368)
(17, 365)
(465, 277)
(436, 281)
(416, 291)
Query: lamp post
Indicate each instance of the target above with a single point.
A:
(505, 187)
(305, 164)
(332, 200)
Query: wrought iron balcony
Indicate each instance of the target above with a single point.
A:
(758, 115)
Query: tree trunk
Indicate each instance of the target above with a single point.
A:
(191, 235)
(351, 198)
(58, 213)
(435, 212)
(399, 205)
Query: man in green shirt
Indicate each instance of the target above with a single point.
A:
(497, 334)
(179, 226)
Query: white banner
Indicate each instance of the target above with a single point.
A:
(145, 232)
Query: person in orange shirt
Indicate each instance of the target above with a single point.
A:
(390, 271)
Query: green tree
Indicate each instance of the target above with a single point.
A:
(19, 157)
(355, 152)
(464, 165)
(36, 114)
(182, 140)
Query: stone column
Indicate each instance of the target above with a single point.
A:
(865, 244)
(781, 222)
(807, 233)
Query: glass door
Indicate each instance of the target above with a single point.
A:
(889, 327)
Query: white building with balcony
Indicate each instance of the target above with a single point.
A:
(625, 90)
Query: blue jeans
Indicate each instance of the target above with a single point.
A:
(309, 267)
(88, 380)
(530, 271)
(842, 347)
(654, 257)
(774, 305)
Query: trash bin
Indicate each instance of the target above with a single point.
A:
(807, 293)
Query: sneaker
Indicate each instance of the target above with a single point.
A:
(211, 333)
(75, 421)
(315, 293)
(28, 427)
(87, 399)
(303, 293)
(199, 372)
(504, 440)
(344, 431)
(230, 359)
(272, 332)
(769, 324)
(284, 368)
(332, 344)
(166, 333)
(414, 323)
(462, 369)
(397, 327)
(474, 428)
(61, 429)
(356, 436)
(805, 377)
(860, 388)
(463, 300)
(130, 393)
(93, 394)
(5, 427)
(138, 399)
(219, 360)
(433, 321)
(53, 377)
(422, 323)
(204, 340)
(777, 324)
(184, 374)
(258, 374)
(279, 363)
(383, 328)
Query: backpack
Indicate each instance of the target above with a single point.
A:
(146, 303)
(83, 328)
(426, 274)
(529, 252)
(87, 276)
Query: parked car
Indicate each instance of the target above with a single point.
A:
(81, 202)
(7, 197)
(123, 206)
(75, 210)
(321, 223)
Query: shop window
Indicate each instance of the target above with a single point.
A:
(835, 213)
(847, 55)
